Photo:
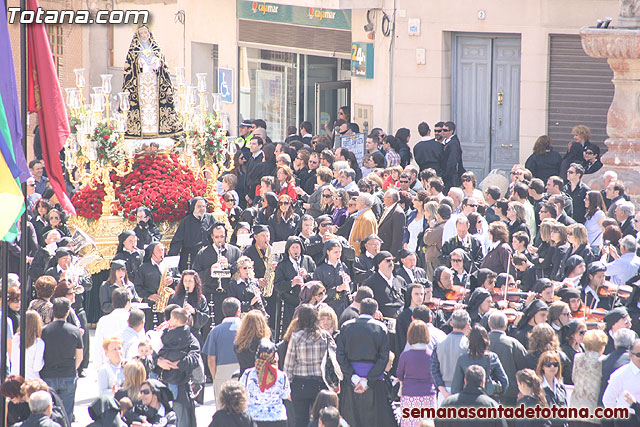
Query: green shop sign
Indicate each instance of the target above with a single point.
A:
(307, 16)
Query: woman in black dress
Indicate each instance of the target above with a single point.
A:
(189, 296)
(532, 395)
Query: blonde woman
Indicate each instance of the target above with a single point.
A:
(578, 238)
(245, 287)
(587, 373)
(34, 357)
(134, 375)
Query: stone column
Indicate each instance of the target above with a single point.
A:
(621, 47)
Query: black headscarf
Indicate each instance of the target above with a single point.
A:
(122, 237)
(531, 310)
(148, 252)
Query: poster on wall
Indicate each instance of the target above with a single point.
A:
(270, 101)
(355, 144)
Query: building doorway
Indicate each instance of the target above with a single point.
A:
(485, 88)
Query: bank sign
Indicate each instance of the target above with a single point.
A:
(307, 16)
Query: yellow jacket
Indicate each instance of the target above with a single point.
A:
(365, 225)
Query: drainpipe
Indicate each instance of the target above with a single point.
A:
(391, 45)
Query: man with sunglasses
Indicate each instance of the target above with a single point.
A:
(625, 381)
(154, 406)
(591, 162)
(451, 161)
(388, 289)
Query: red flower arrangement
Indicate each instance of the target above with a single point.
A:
(158, 182)
(88, 201)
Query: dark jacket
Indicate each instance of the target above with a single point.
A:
(208, 256)
(496, 381)
(178, 345)
(530, 402)
(452, 167)
(427, 154)
(38, 420)
(391, 230)
(192, 234)
(282, 229)
(362, 268)
(331, 279)
(614, 360)
(473, 252)
(474, 397)
(512, 357)
(577, 196)
(544, 165)
(498, 258)
(558, 399)
(201, 318)
(363, 340)
(224, 419)
(390, 298)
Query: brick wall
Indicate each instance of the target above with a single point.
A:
(72, 36)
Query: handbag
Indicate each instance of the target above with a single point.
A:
(331, 372)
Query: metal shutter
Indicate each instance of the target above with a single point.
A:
(580, 91)
(295, 36)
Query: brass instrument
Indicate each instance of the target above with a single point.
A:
(165, 293)
(269, 274)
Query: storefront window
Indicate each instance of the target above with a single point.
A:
(269, 89)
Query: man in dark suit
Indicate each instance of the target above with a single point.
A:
(216, 256)
(306, 130)
(472, 395)
(292, 135)
(469, 244)
(562, 217)
(253, 166)
(622, 339)
(363, 352)
(451, 163)
(391, 225)
(388, 290)
(577, 190)
(363, 265)
(427, 151)
(407, 268)
(510, 352)
(625, 212)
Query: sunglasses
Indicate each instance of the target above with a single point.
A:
(285, 203)
(566, 314)
(325, 224)
(591, 153)
(31, 185)
(404, 182)
(466, 179)
(634, 354)
(446, 130)
(471, 205)
(437, 130)
(550, 364)
(389, 260)
(344, 132)
(313, 162)
(327, 196)
(145, 391)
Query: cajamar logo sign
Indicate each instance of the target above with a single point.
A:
(264, 8)
(321, 14)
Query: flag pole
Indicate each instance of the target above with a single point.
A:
(4, 255)
(25, 294)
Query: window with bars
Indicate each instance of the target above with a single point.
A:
(56, 41)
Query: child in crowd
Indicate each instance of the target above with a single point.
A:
(145, 356)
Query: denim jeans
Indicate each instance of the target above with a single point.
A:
(66, 389)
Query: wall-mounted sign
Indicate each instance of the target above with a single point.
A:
(225, 84)
(362, 60)
(307, 16)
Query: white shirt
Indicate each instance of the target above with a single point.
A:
(389, 280)
(113, 324)
(625, 378)
(410, 274)
(546, 384)
(34, 358)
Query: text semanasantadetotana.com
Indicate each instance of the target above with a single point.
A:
(521, 411)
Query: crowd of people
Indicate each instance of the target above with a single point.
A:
(344, 292)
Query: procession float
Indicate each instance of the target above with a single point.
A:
(154, 145)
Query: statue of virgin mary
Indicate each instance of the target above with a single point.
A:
(146, 78)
